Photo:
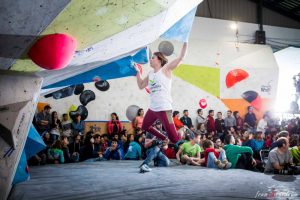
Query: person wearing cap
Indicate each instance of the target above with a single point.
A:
(43, 120)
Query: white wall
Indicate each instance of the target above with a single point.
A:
(212, 44)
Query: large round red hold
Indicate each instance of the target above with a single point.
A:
(202, 103)
(235, 76)
(53, 52)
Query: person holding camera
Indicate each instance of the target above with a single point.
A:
(154, 152)
(280, 160)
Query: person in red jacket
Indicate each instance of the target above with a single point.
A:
(214, 158)
(178, 124)
(114, 125)
(211, 129)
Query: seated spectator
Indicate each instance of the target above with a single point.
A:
(137, 133)
(200, 119)
(240, 157)
(47, 139)
(43, 120)
(210, 135)
(138, 121)
(295, 149)
(55, 126)
(239, 120)
(113, 152)
(270, 138)
(279, 135)
(78, 125)
(186, 120)
(214, 158)
(189, 152)
(202, 129)
(231, 130)
(280, 158)
(65, 148)
(103, 142)
(134, 151)
(92, 148)
(141, 140)
(218, 144)
(256, 143)
(55, 154)
(178, 124)
(262, 125)
(123, 140)
(66, 126)
(184, 139)
(114, 125)
(75, 148)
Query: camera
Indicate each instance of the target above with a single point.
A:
(288, 169)
(157, 143)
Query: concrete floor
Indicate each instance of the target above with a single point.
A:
(122, 180)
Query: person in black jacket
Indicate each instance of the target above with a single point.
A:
(186, 120)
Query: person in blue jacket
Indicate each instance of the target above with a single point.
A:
(114, 152)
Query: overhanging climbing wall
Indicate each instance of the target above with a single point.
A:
(19, 94)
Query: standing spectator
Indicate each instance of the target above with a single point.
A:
(178, 124)
(200, 119)
(138, 121)
(262, 125)
(77, 125)
(229, 120)
(55, 126)
(220, 125)
(114, 125)
(239, 120)
(250, 119)
(211, 122)
(186, 120)
(66, 126)
(43, 120)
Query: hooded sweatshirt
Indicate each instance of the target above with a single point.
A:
(134, 151)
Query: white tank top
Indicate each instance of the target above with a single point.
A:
(160, 91)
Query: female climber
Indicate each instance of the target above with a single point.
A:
(159, 83)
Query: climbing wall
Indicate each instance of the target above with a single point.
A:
(19, 94)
